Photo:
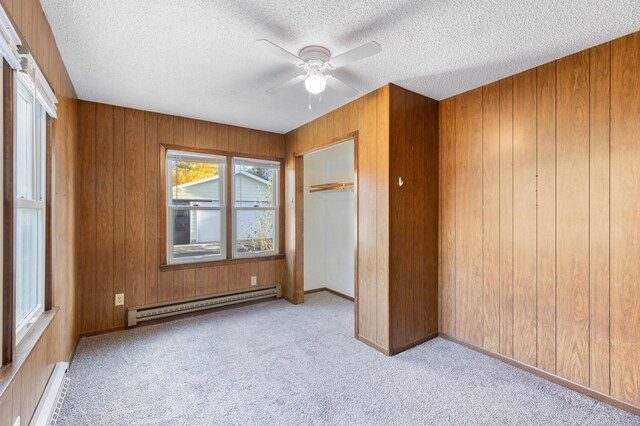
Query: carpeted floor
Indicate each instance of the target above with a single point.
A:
(276, 363)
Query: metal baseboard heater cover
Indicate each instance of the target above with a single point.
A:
(161, 310)
(50, 403)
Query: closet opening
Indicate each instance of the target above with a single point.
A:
(327, 202)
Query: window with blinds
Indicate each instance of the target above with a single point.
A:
(196, 207)
(255, 207)
(30, 204)
(198, 203)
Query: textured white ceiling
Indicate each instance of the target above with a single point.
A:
(196, 58)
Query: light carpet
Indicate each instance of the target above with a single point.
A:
(278, 363)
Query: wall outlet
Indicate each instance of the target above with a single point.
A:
(119, 299)
(254, 280)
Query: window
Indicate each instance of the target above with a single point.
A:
(255, 207)
(196, 207)
(219, 207)
(30, 204)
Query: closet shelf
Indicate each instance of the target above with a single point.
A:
(331, 186)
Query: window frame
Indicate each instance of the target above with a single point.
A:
(163, 229)
(38, 201)
(9, 331)
(170, 208)
(275, 208)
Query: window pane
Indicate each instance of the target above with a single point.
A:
(25, 154)
(254, 186)
(196, 183)
(29, 264)
(255, 230)
(196, 233)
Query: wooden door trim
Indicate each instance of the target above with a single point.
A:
(298, 261)
(332, 142)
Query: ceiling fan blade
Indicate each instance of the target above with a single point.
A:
(278, 51)
(340, 86)
(287, 84)
(364, 51)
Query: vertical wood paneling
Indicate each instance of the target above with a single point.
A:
(16, 13)
(232, 140)
(165, 286)
(398, 209)
(413, 257)
(178, 131)
(375, 148)
(410, 244)
(599, 101)
(524, 217)
(16, 390)
(506, 217)
(369, 115)
(151, 200)
(430, 268)
(71, 177)
(572, 285)
(6, 408)
(26, 409)
(134, 127)
(119, 213)
(189, 132)
(166, 134)
(469, 216)
(491, 215)
(104, 219)
(425, 177)
(625, 218)
(367, 229)
(125, 199)
(264, 276)
(87, 262)
(178, 282)
(546, 217)
(569, 208)
(223, 139)
(447, 269)
(28, 7)
(243, 138)
(189, 283)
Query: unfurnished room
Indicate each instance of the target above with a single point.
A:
(365, 212)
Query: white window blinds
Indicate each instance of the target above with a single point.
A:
(201, 158)
(249, 162)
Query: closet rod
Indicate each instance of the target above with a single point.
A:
(330, 186)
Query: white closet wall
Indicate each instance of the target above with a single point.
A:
(329, 220)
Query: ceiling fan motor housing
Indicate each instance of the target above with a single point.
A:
(315, 58)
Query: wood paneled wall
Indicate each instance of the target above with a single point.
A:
(369, 116)
(413, 209)
(397, 259)
(539, 217)
(59, 340)
(119, 159)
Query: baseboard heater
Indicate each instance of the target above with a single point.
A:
(50, 403)
(161, 310)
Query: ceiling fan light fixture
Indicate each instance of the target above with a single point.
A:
(315, 83)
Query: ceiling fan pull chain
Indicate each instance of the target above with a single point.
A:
(309, 100)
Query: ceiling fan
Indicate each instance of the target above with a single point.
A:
(315, 61)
